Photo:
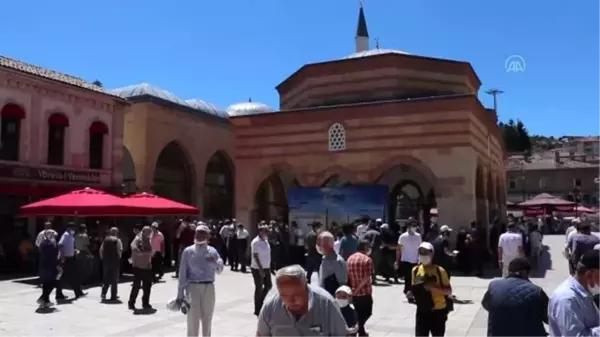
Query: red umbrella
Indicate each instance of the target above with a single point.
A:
(579, 209)
(545, 200)
(156, 205)
(85, 202)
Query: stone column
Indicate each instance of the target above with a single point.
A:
(244, 196)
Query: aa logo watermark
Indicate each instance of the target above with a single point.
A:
(515, 64)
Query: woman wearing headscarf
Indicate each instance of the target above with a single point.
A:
(49, 267)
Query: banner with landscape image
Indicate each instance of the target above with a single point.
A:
(337, 204)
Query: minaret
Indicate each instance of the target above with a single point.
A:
(362, 35)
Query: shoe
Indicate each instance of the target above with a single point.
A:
(114, 298)
(82, 294)
(103, 297)
(40, 302)
(147, 307)
(131, 306)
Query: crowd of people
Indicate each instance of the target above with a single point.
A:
(348, 260)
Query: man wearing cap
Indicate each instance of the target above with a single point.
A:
(510, 246)
(572, 311)
(431, 290)
(441, 248)
(199, 264)
(516, 307)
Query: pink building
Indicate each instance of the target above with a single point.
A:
(57, 133)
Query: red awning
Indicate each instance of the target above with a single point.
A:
(58, 119)
(85, 202)
(159, 206)
(579, 209)
(98, 127)
(545, 200)
(13, 110)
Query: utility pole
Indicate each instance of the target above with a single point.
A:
(495, 93)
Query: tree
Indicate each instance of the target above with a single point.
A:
(516, 137)
(98, 83)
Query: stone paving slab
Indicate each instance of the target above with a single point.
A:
(392, 314)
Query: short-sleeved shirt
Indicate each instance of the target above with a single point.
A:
(360, 268)
(333, 264)
(157, 240)
(410, 247)
(440, 244)
(421, 272)
(263, 250)
(323, 318)
(580, 243)
(348, 246)
(510, 243)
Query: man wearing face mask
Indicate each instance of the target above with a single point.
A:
(407, 255)
(199, 264)
(572, 311)
(431, 290)
(141, 258)
(516, 307)
(442, 255)
(241, 236)
(66, 246)
(333, 272)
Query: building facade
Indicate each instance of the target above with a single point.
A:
(378, 116)
(178, 149)
(58, 133)
(564, 176)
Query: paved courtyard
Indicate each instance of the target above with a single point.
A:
(233, 315)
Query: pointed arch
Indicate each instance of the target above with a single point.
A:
(218, 196)
(174, 176)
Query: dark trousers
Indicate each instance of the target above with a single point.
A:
(47, 288)
(242, 245)
(181, 248)
(376, 257)
(430, 321)
(313, 264)
(262, 285)
(223, 251)
(364, 309)
(71, 277)
(407, 268)
(386, 265)
(297, 255)
(142, 278)
(110, 278)
(276, 257)
(157, 265)
(233, 254)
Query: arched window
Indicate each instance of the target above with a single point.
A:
(337, 137)
(57, 124)
(97, 132)
(10, 131)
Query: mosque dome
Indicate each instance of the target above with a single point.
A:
(375, 52)
(203, 106)
(248, 108)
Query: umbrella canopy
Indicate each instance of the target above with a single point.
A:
(545, 200)
(579, 209)
(85, 202)
(156, 205)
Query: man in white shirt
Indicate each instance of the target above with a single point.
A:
(510, 246)
(407, 255)
(40, 236)
(361, 229)
(157, 240)
(241, 245)
(260, 251)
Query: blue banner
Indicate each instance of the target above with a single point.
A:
(339, 204)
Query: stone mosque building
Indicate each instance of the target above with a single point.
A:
(378, 116)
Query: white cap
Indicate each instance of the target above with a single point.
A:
(344, 289)
(445, 228)
(202, 228)
(385, 226)
(426, 245)
(378, 220)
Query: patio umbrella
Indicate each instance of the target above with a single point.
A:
(579, 209)
(85, 202)
(545, 200)
(156, 205)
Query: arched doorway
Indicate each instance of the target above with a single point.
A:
(129, 178)
(270, 200)
(173, 177)
(218, 187)
(336, 181)
(491, 204)
(411, 194)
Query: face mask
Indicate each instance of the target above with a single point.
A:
(203, 242)
(424, 259)
(595, 290)
(412, 229)
(71, 231)
(319, 250)
(341, 302)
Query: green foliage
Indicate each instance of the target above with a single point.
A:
(516, 137)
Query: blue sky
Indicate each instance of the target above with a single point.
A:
(226, 51)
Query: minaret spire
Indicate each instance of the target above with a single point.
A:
(362, 34)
